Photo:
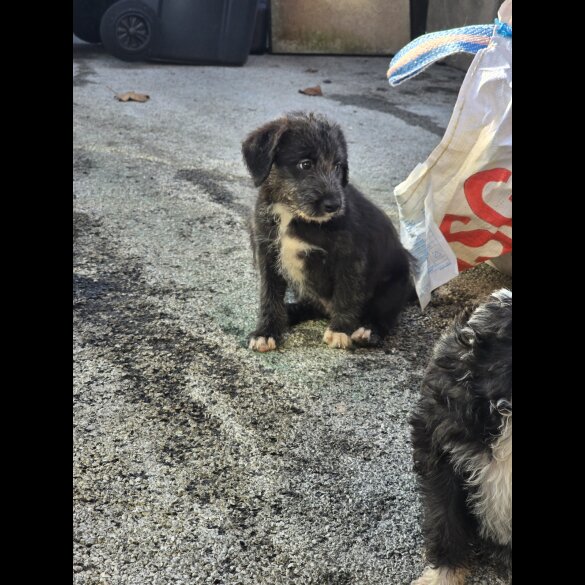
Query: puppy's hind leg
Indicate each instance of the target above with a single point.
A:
(365, 335)
(346, 310)
(379, 316)
(388, 302)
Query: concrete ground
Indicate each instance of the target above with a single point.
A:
(196, 460)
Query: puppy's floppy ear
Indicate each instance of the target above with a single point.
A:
(341, 153)
(259, 149)
(345, 175)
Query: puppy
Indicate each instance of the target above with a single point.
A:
(316, 234)
(462, 439)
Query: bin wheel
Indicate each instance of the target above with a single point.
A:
(129, 30)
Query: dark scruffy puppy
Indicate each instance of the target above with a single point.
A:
(462, 439)
(312, 231)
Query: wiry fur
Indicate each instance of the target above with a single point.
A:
(315, 233)
(462, 439)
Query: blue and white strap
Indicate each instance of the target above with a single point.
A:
(425, 50)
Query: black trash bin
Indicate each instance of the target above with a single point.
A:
(184, 31)
(87, 17)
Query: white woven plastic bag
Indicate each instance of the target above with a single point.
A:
(455, 209)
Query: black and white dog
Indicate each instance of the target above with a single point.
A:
(462, 439)
(314, 232)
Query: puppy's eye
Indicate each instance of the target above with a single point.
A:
(305, 165)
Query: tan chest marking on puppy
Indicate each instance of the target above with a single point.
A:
(292, 250)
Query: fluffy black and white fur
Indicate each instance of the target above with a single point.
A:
(314, 232)
(462, 440)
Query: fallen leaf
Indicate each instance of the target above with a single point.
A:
(311, 70)
(312, 90)
(132, 96)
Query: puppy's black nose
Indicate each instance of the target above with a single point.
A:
(331, 205)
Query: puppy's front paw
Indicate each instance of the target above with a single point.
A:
(337, 339)
(262, 344)
(441, 576)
